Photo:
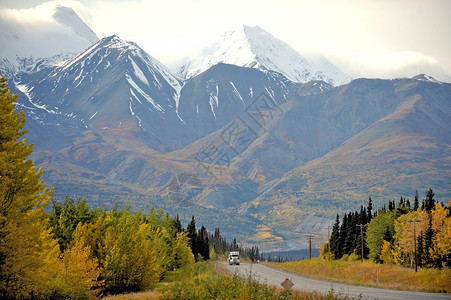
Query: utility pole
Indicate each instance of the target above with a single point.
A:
(415, 241)
(361, 237)
(310, 245)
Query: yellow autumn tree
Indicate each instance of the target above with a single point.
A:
(27, 251)
(418, 221)
(441, 224)
(130, 260)
(386, 255)
(181, 251)
(405, 225)
(80, 269)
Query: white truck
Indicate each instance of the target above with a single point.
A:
(234, 258)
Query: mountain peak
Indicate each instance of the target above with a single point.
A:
(424, 77)
(114, 41)
(116, 49)
(254, 47)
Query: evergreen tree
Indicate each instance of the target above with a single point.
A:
(369, 209)
(416, 201)
(351, 234)
(335, 239)
(202, 242)
(428, 243)
(391, 205)
(429, 202)
(234, 245)
(252, 254)
(26, 247)
(343, 234)
(388, 236)
(420, 249)
(363, 220)
(66, 216)
(178, 224)
(192, 235)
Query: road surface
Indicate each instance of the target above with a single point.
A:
(275, 277)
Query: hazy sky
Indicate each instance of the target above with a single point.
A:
(380, 38)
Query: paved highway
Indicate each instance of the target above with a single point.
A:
(275, 277)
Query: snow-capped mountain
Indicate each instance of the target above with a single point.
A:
(113, 84)
(42, 41)
(254, 47)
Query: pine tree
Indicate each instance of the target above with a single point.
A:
(369, 209)
(391, 205)
(66, 216)
(26, 247)
(416, 201)
(178, 225)
(343, 234)
(335, 239)
(420, 250)
(234, 245)
(351, 234)
(192, 235)
(388, 236)
(202, 242)
(428, 243)
(429, 203)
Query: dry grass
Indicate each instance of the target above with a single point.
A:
(151, 295)
(372, 274)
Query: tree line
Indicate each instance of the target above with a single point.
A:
(396, 234)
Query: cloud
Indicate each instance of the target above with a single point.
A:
(35, 32)
(392, 65)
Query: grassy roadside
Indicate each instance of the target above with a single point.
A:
(209, 282)
(205, 281)
(371, 274)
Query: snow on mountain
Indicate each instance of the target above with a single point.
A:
(112, 84)
(122, 50)
(52, 31)
(254, 47)
(424, 77)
